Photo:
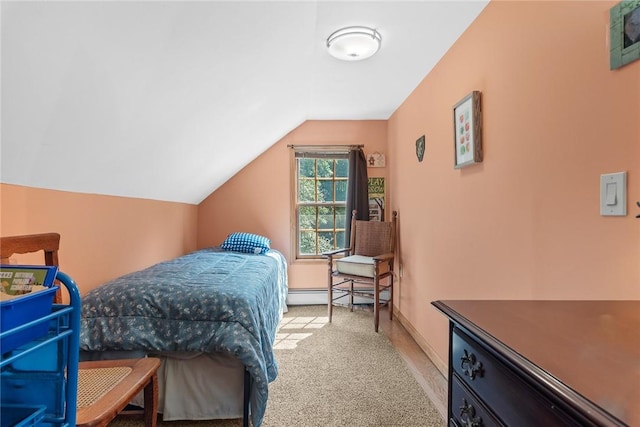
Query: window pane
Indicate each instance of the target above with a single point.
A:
(342, 168)
(325, 241)
(340, 239)
(341, 217)
(307, 219)
(306, 190)
(325, 218)
(307, 243)
(341, 191)
(306, 168)
(325, 168)
(325, 191)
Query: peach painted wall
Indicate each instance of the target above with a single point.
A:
(258, 198)
(102, 237)
(524, 224)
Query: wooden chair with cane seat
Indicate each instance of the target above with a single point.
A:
(366, 269)
(106, 387)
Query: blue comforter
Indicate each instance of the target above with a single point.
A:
(207, 301)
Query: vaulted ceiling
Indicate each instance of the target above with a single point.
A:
(168, 100)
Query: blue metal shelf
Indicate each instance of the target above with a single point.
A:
(44, 372)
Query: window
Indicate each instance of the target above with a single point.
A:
(321, 179)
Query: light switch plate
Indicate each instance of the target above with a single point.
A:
(613, 194)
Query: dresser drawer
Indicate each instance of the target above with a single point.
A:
(466, 410)
(510, 398)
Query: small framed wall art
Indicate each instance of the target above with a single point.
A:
(624, 33)
(467, 131)
(376, 160)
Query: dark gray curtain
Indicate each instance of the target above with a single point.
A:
(357, 191)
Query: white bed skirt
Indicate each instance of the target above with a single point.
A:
(199, 387)
(193, 386)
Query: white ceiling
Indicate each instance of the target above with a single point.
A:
(168, 100)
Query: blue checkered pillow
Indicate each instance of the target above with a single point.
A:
(247, 243)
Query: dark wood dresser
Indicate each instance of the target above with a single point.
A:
(543, 363)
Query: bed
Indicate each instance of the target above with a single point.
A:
(210, 315)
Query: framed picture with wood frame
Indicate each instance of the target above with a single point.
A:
(624, 33)
(467, 131)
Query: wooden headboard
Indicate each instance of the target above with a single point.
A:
(47, 242)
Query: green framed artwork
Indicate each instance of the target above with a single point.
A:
(624, 33)
(376, 199)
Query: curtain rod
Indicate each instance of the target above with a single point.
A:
(324, 147)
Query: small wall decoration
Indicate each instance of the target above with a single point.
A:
(420, 146)
(376, 160)
(467, 127)
(624, 33)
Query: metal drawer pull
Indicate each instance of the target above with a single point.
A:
(470, 365)
(468, 415)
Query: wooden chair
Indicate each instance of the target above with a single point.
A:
(47, 242)
(106, 387)
(366, 269)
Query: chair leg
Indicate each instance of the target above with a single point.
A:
(351, 296)
(376, 302)
(151, 402)
(330, 288)
(330, 302)
(391, 297)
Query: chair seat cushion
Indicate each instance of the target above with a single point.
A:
(358, 265)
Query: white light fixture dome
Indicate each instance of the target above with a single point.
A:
(354, 43)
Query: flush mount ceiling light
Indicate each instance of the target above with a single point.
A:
(354, 43)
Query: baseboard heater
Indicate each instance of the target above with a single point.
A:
(319, 297)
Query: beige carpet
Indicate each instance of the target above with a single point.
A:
(338, 374)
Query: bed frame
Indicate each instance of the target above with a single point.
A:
(50, 244)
